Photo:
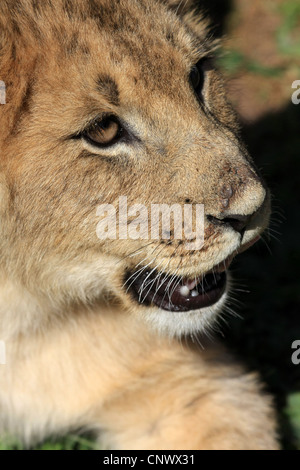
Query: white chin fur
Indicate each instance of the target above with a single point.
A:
(184, 323)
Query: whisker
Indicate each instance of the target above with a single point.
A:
(136, 274)
(135, 252)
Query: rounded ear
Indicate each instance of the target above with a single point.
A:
(194, 16)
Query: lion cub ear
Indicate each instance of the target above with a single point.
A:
(195, 17)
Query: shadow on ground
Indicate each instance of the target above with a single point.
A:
(271, 311)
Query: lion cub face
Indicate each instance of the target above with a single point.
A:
(107, 101)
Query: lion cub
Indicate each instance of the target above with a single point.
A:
(108, 102)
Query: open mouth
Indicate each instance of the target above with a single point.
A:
(174, 293)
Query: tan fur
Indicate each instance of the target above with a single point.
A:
(81, 353)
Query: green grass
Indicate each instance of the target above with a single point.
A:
(287, 38)
(292, 413)
(234, 61)
(71, 442)
(288, 35)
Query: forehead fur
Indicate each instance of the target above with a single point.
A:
(128, 21)
(136, 45)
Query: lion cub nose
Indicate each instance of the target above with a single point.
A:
(238, 204)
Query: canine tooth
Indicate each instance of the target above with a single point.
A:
(184, 290)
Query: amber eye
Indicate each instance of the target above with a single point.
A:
(104, 133)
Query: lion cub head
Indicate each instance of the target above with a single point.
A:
(120, 101)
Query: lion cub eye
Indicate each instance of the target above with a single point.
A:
(104, 133)
(197, 77)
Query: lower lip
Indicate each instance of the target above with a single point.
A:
(248, 245)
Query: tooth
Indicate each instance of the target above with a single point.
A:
(184, 291)
(191, 284)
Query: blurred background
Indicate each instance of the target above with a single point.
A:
(260, 59)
